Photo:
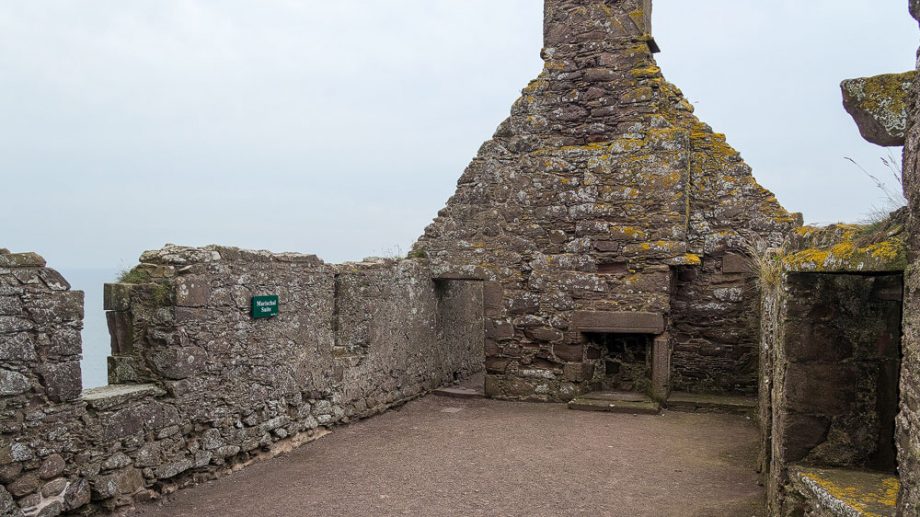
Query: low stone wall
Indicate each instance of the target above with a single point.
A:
(201, 386)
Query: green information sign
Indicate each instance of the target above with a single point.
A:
(264, 306)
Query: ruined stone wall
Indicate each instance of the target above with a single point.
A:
(908, 431)
(203, 387)
(598, 184)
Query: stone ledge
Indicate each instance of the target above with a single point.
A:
(619, 322)
(849, 493)
(106, 397)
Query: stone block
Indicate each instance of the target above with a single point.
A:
(117, 297)
(821, 388)
(129, 480)
(661, 368)
(799, 434)
(54, 488)
(138, 418)
(492, 294)
(619, 322)
(175, 468)
(608, 247)
(21, 260)
(78, 494)
(25, 485)
(11, 324)
(123, 370)
(735, 264)
(10, 306)
(8, 506)
(66, 340)
(51, 467)
(569, 352)
(56, 307)
(177, 363)
(544, 335)
(62, 381)
(578, 372)
(121, 332)
(17, 347)
(54, 280)
(13, 383)
(499, 330)
(192, 292)
(496, 365)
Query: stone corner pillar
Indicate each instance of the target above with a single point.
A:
(661, 367)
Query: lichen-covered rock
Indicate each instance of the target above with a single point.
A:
(13, 383)
(840, 248)
(880, 105)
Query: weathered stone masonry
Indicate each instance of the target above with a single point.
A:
(603, 195)
(909, 418)
(198, 385)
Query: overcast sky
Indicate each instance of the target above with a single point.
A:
(340, 127)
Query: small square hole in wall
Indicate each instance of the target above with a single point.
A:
(613, 268)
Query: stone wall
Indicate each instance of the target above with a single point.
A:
(835, 368)
(908, 432)
(831, 327)
(199, 386)
(598, 185)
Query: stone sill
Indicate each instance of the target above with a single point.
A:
(849, 493)
(106, 397)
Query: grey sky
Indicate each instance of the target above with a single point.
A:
(340, 128)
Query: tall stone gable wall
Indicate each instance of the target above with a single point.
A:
(908, 421)
(200, 386)
(603, 192)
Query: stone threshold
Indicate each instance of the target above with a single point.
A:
(616, 402)
(711, 403)
(459, 392)
(846, 493)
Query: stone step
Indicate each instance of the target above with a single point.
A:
(459, 392)
(616, 402)
(711, 403)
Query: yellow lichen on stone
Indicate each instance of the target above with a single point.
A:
(887, 92)
(691, 259)
(848, 247)
(645, 72)
(867, 494)
(887, 250)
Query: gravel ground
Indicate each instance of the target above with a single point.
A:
(439, 456)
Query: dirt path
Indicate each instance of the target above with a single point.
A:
(440, 456)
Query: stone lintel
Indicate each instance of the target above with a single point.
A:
(619, 322)
(457, 276)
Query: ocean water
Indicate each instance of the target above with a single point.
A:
(95, 331)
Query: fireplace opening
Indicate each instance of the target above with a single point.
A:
(624, 361)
